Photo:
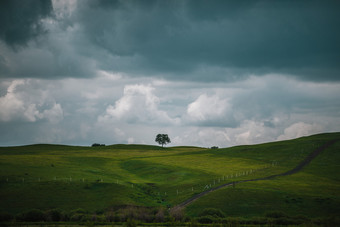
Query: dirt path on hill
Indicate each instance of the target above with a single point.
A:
(302, 164)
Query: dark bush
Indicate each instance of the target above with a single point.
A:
(331, 221)
(110, 216)
(317, 221)
(78, 217)
(54, 215)
(5, 217)
(216, 224)
(284, 221)
(131, 223)
(206, 219)
(117, 218)
(231, 221)
(193, 223)
(137, 213)
(34, 215)
(100, 211)
(300, 219)
(97, 145)
(275, 214)
(160, 215)
(177, 214)
(85, 218)
(259, 220)
(216, 213)
(99, 218)
(78, 211)
(214, 147)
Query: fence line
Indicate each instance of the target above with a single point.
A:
(193, 188)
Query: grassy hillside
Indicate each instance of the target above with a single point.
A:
(313, 192)
(100, 178)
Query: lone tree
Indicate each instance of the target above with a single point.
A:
(162, 139)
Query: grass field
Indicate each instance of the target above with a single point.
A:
(313, 192)
(101, 178)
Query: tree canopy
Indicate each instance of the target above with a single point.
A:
(162, 139)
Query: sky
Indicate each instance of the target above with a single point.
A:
(207, 73)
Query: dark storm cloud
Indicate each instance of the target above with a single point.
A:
(20, 20)
(193, 40)
(253, 37)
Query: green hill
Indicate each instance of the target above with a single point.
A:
(98, 179)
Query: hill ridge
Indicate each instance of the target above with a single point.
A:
(296, 169)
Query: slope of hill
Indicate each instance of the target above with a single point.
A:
(314, 191)
(101, 178)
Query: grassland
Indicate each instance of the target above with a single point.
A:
(103, 178)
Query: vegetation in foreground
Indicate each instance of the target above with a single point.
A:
(141, 216)
(138, 182)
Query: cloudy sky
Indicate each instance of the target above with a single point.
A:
(207, 73)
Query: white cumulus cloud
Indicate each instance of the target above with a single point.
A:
(138, 105)
(300, 129)
(211, 110)
(30, 105)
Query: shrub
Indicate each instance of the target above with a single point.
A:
(131, 223)
(160, 216)
(97, 145)
(275, 214)
(171, 222)
(177, 214)
(206, 219)
(216, 213)
(259, 220)
(54, 215)
(231, 221)
(78, 217)
(136, 213)
(100, 218)
(34, 215)
(5, 217)
(193, 223)
(331, 221)
(216, 224)
(78, 211)
(284, 221)
(300, 219)
(110, 216)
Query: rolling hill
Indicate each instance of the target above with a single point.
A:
(104, 178)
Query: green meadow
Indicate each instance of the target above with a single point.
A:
(99, 179)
